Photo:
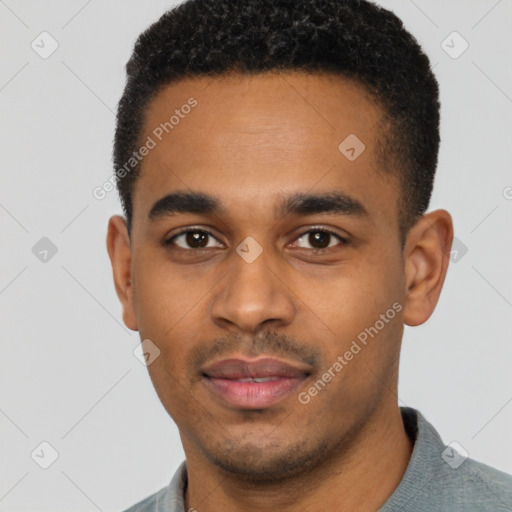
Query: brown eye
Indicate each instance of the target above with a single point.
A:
(319, 239)
(194, 239)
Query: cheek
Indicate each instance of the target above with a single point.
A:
(363, 307)
(361, 362)
(352, 298)
(162, 297)
(170, 387)
(169, 372)
(171, 312)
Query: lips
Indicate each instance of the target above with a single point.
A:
(253, 384)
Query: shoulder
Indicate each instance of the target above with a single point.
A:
(483, 486)
(167, 499)
(442, 478)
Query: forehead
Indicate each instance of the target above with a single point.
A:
(257, 137)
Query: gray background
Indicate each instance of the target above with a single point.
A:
(68, 373)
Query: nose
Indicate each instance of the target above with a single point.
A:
(253, 296)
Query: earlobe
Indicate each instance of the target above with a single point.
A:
(119, 251)
(426, 255)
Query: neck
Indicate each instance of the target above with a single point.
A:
(360, 478)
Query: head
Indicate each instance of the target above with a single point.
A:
(275, 161)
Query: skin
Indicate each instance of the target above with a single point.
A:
(250, 142)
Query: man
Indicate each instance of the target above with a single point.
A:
(275, 160)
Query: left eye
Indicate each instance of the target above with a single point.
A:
(318, 239)
(197, 239)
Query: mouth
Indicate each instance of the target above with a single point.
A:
(253, 384)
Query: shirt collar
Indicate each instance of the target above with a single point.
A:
(425, 462)
(419, 471)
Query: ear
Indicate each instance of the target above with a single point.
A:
(426, 255)
(119, 251)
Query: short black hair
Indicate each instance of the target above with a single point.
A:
(353, 38)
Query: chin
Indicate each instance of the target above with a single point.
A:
(271, 463)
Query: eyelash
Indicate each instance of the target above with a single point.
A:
(343, 241)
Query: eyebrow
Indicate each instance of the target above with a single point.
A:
(332, 202)
(298, 204)
(184, 202)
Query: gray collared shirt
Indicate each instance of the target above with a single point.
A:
(438, 478)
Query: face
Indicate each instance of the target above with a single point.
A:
(265, 264)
